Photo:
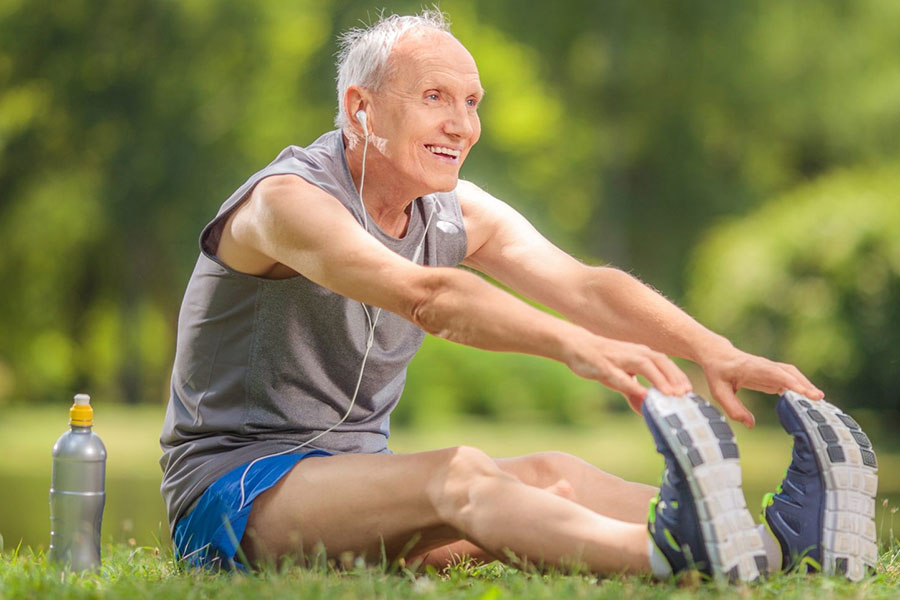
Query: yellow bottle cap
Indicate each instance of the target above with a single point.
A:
(81, 414)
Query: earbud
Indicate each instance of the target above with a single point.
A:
(361, 117)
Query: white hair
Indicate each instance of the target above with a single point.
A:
(363, 52)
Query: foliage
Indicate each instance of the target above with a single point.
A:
(123, 126)
(813, 277)
(676, 114)
(448, 380)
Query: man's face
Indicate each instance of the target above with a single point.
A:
(426, 112)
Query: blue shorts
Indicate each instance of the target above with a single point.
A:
(210, 534)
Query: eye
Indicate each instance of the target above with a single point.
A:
(432, 96)
(472, 102)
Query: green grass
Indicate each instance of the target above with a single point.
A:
(145, 572)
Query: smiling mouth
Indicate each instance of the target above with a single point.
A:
(444, 152)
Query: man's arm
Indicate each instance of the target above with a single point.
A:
(612, 303)
(293, 223)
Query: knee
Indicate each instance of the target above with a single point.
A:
(556, 472)
(461, 478)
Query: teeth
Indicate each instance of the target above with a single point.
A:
(443, 150)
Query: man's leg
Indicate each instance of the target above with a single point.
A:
(698, 445)
(358, 502)
(578, 480)
(563, 475)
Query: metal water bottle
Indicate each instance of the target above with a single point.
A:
(77, 491)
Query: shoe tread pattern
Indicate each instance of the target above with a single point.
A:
(695, 431)
(849, 471)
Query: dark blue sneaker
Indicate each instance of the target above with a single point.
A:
(823, 513)
(700, 518)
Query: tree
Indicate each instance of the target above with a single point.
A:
(813, 277)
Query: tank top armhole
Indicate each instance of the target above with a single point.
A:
(464, 237)
(457, 219)
(211, 235)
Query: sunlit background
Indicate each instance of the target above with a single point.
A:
(742, 158)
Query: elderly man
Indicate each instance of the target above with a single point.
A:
(315, 286)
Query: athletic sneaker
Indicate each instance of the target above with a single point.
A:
(823, 513)
(700, 518)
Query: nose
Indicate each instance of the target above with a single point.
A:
(461, 122)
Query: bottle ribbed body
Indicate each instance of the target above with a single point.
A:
(77, 496)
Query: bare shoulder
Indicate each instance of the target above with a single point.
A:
(506, 246)
(483, 214)
(240, 247)
(477, 203)
(279, 185)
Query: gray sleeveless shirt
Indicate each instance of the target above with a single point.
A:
(262, 365)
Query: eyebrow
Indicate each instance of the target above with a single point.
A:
(431, 84)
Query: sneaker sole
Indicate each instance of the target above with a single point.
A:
(849, 475)
(705, 448)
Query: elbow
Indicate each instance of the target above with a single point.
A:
(602, 289)
(602, 279)
(597, 282)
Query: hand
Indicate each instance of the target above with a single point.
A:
(615, 364)
(730, 370)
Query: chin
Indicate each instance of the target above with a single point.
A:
(444, 184)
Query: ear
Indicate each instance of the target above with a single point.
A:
(355, 100)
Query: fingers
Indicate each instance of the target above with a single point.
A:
(659, 370)
(614, 364)
(724, 393)
(775, 378)
(680, 382)
(646, 367)
(636, 403)
(628, 386)
(799, 383)
(764, 375)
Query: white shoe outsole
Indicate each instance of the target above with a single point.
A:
(849, 472)
(705, 448)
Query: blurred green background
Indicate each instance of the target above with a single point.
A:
(743, 158)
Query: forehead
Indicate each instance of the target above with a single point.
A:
(426, 56)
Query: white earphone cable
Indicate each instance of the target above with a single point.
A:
(369, 341)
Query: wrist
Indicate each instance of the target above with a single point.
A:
(712, 347)
(572, 341)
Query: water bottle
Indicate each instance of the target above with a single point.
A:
(77, 491)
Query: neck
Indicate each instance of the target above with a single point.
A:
(387, 201)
